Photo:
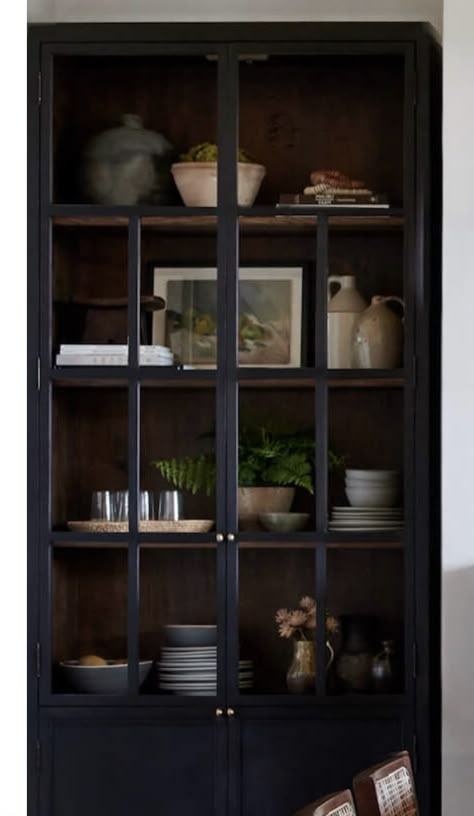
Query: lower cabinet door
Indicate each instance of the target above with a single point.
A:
(125, 764)
(280, 763)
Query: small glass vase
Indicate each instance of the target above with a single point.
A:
(382, 668)
(301, 675)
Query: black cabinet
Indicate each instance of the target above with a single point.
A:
(118, 764)
(187, 340)
(286, 762)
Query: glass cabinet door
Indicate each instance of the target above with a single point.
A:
(121, 121)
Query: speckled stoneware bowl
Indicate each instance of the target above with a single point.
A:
(109, 679)
(284, 522)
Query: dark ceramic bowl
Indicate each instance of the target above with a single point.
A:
(109, 679)
(191, 635)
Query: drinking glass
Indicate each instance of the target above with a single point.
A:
(147, 505)
(170, 506)
(121, 505)
(102, 505)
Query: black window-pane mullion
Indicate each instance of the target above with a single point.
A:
(228, 118)
(321, 455)
(133, 449)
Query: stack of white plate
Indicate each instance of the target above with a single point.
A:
(358, 519)
(192, 670)
(373, 488)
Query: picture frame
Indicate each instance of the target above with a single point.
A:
(270, 315)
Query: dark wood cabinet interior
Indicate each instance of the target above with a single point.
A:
(306, 98)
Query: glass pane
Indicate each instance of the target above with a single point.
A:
(90, 293)
(276, 478)
(178, 619)
(301, 115)
(117, 144)
(271, 580)
(89, 620)
(365, 292)
(89, 459)
(276, 292)
(365, 594)
(366, 428)
(179, 268)
(178, 458)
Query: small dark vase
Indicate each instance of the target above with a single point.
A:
(354, 663)
(382, 669)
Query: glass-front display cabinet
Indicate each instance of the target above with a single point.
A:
(234, 321)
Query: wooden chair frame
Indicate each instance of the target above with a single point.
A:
(387, 789)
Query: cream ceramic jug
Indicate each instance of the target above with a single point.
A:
(378, 336)
(344, 309)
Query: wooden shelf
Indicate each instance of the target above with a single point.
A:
(184, 222)
(113, 376)
(72, 540)
(176, 377)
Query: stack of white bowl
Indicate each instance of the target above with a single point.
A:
(374, 497)
(373, 488)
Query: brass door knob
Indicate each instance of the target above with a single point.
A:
(219, 712)
(219, 537)
(230, 537)
(230, 712)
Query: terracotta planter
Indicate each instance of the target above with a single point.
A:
(256, 500)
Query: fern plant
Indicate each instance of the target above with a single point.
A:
(268, 457)
(190, 473)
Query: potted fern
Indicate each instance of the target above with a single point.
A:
(272, 464)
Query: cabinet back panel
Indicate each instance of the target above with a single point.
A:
(176, 96)
(299, 114)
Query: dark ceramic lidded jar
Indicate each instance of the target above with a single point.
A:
(354, 662)
(128, 165)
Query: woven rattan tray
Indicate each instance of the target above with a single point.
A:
(183, 526)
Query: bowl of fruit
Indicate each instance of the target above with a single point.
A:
(195, 176)
(92, 674)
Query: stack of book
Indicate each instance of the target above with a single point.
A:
(333, 188)
(111, 355)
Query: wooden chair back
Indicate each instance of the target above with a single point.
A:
(337, 804)
(387, 789)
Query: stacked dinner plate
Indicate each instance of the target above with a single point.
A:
(359, 519)
(192, 670)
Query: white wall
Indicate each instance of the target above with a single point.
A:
(458, 410)
(202, 10)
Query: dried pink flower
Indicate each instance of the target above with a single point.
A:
(308, 603)
(281, 615)
(285, 630)
(311, 619)
(297, 618)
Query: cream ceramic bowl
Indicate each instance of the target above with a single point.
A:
(370, 496)
(378, 476)
(197, 182)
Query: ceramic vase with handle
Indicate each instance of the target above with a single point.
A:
(377, 341)
(344, 309)
(301, 675)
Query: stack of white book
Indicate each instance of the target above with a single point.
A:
(111, 355)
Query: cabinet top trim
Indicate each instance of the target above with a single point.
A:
(230, 32)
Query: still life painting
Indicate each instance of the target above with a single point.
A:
(269, 320)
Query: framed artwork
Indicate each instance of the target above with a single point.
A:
(269, 321)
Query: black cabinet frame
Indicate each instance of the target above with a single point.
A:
(419, 706)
